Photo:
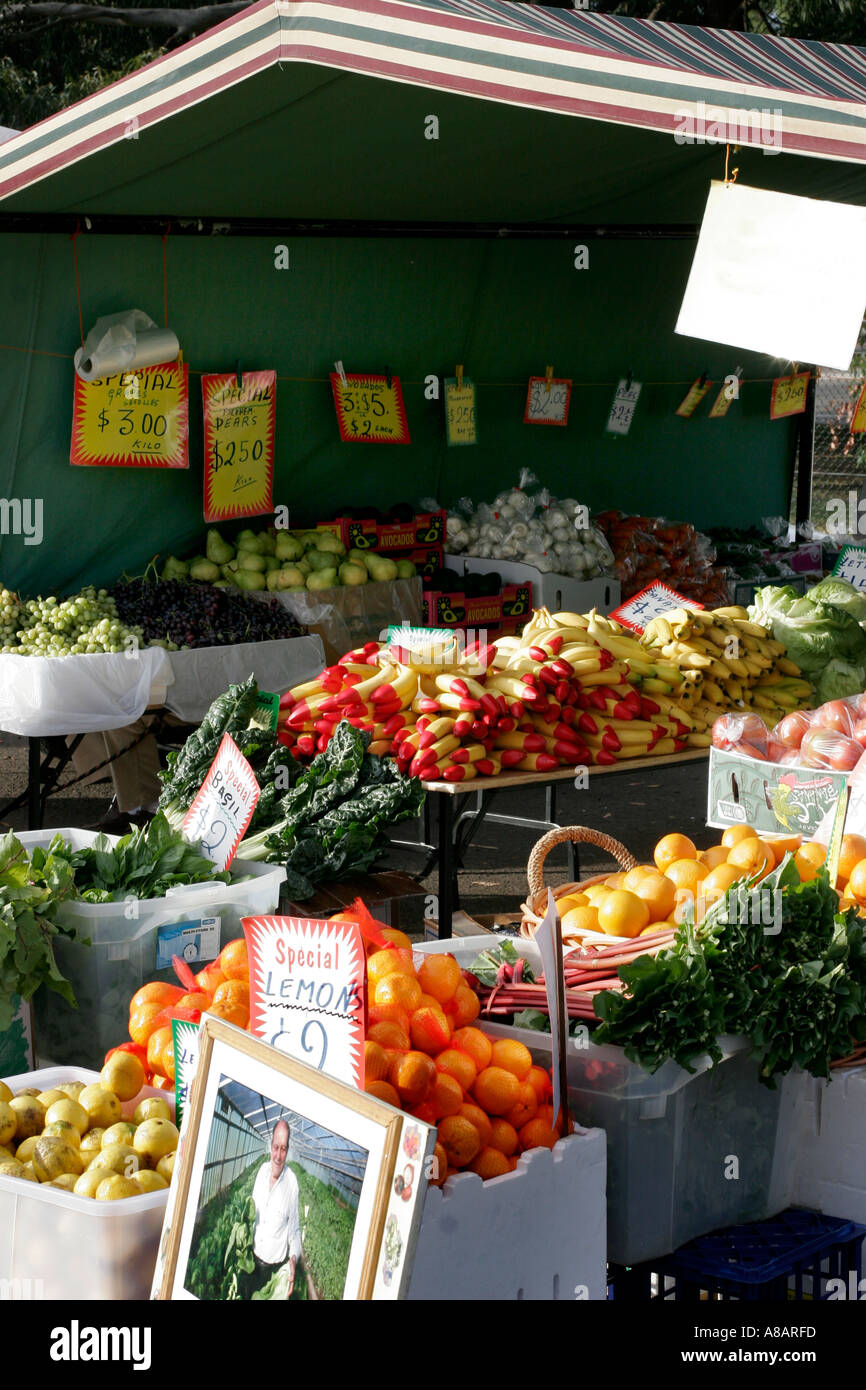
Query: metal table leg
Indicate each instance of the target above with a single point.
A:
(34, 785)
(448, 892)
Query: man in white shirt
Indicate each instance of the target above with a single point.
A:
(277, 1235)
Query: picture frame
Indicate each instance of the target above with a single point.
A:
(345, 1154)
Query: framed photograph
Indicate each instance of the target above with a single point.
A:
(289, 1184)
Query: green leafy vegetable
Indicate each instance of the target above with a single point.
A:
(813, 631)
(487, 965)
(143, 864)
(30, 890)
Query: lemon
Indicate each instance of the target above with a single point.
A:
(149, 1180)
(8, 1122)
(53, 1156)
(120, 1158)
(62, 1129)
(86, 1185)
(5, 1092)
(121, 1133)
(72, 1089)
(152, 1108)
(123, 1074)
(91, 1142)
(24, 1152)
(14, 1169)
(66, 1181)
(29, 1116)
(101, 1105)
(70, 1112)
(166, 1165)
(154, 1139)
(47, 1098)
(115, 1187)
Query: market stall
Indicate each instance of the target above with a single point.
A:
(463, 271)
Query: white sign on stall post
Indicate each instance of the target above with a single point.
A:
(548, 938)
(224, 805)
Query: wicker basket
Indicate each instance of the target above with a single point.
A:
(536, 904)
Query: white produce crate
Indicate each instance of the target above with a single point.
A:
(831, 1168)
(537, 1233)
(122, 954)
(55, 1245)
(557, 592)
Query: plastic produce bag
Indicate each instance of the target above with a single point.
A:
(830, 751)
(44, 696)
(742, 733)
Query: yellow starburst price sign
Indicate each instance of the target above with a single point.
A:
(136, 419)
(370, 409)
(239, 418)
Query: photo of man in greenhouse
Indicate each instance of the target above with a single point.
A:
(277, 1233)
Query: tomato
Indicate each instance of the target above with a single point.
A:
(791, 729)
(859, 732)
(823, 748)
(745, 732)
(836, 715)
(776, 749)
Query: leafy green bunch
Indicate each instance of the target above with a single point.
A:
(30, 890)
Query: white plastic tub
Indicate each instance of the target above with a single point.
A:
(831, 1172)
(122, 955)
(59, 1246)
(686, 1152)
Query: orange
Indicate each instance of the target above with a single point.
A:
(809, 859)
(459, 1065)
(383, 963)
(714, 856)
(490, 1163)
(476, 1116)
(496, 1090)
(193, 999)
(658, 892)
(210, 978)
(857, 883)
(670, 848)
(467, 1006)
(155, 993)
(389, 1013)
(623, 914)
(429, 1029)
(403, 990)
(719, 880)
(389, 1035)
(440, 976)
(413, 1076)
(233, 960)
(383, 1091)
(512, 1056)
(397, 938)
(540, 1083)
(160, 1053)
(504, 1137)
(614, 881)
(635, 876)
(570, 900)
(783, 844)
(376, 1064)
(752, 856)
(596, 892)
(735, 833)
(439, 1166)
(686, 899)
(525, 1107)
(141, 1022)
(446, 1095)
(852, 851)
(459, 1139)
(233, 991)
(657, 927)
(478, 1046)
(583, 918)
(686, 873)
(537, 1135)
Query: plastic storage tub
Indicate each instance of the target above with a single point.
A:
(59, 1246)
(122, 955)
(686, 1152)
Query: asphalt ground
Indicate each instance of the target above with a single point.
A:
(635, 808)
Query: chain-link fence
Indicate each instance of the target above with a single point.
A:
(839, 464)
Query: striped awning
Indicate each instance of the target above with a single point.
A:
(700, 85)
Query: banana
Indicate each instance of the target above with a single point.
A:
(685, 657)
(713, 692)
(750, 628)
(698, 740)
(579, 620)
(658, 632)
(787, 668)
(733, 611)
(652, 686)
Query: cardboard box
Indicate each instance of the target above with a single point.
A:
(768, 796)
(489, 611)
(424, 530)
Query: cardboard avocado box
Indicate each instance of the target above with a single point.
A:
(769, 796)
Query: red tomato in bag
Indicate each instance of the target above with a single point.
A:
(791, 729)
(835, 715)
(859, 732)
(834, 752)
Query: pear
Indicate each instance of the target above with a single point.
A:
(200, 568)
(319, 560)
(267, 543)
(353, 574)
(381, 568)
(405, 569)
(323, 579)
(218, 550)
(174, 568)
(249, 579)
(287, 546)
(248, 540)
(251, 560)
(330, 544)
(271, 563)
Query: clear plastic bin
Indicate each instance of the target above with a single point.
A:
(59, 1246)
(123, 951)
(686, 1152)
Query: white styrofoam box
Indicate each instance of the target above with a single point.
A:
(556, 592)
(830, 1168)
(537, 1233)
(122, 954)
(55, 1245)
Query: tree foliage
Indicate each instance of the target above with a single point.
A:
(54, 54)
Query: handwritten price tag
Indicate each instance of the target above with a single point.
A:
(651, 602)
(851, 565)
(696, 393)
(369, 411)
(238, 444)
(858, 424)
(789, 396)
(185, 1042)
(307, 991)
(547, 402)
(461, 424)
(224, 805)
(623, 408)
(722, 404)
(134, 420)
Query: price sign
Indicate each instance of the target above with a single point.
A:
(722, 404)
(307, 991)
(184, 1042)
(689, 405)
(789, 396)
(267, 711)
(623, 408)
(369, 411)
(461, 424)
(238, 444)
(547, 402)
(136, 419)
(652, 602)
(224, 805)
(858, 424)
(851, 565)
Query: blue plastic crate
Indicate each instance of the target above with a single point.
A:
(791, 1256)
